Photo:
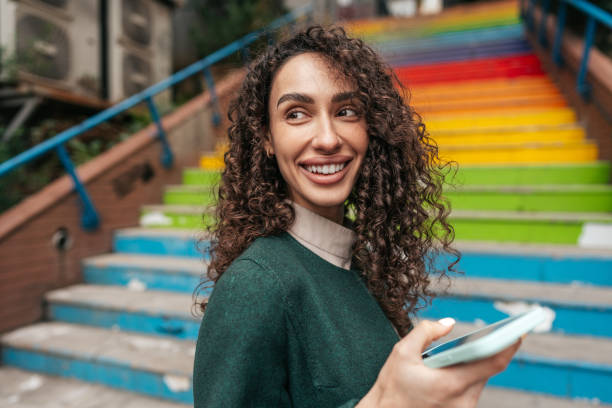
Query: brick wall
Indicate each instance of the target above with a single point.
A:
(119, 181)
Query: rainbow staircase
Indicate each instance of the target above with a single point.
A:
(532, 209)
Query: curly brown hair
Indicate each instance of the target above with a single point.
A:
(399, 213)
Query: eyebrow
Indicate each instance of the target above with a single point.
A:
(342, 96)
(294, 97)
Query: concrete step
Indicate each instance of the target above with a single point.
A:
(159, 313)
(544, 263)
(497, 397)
(561, 198)
(576, 173)
(150, 272)
(23, 389)
(574, 309)
(583, 229)
(152, 366)
(161, 242)
(562, 366)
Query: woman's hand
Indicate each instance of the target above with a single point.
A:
(404, 381)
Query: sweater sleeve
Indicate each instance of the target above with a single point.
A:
(241, 350)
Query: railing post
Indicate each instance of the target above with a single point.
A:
(530, 18)
(556, 51)
(244, 54)
(542, 34)
(210, 84)
(166, 157)
(270, 37)
(589, 36)
(89, 216)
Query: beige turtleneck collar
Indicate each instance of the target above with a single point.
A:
(327, 239)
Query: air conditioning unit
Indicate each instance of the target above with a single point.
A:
(139, 46)
(55, 43)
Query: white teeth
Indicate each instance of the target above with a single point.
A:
(325, 169)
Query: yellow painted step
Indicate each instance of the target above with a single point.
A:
(512, 138)
(535, 153)
(499, 120)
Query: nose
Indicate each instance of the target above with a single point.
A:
(326, 138)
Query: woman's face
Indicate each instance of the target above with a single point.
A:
(317, 133)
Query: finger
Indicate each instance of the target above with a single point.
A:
(481, 370)
(425, 332)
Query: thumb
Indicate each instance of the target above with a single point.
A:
(428, 331)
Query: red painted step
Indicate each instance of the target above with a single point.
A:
(486, 68)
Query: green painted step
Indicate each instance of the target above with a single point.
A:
(190, 194)
(562, 198)
(201, 177)
(584, 173)
(500, 226)
(528, 227)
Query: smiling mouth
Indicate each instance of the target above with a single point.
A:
(326, 169)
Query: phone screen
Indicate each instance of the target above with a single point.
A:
(467, 338)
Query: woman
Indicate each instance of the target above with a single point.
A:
(311, 309)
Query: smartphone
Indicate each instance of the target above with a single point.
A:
(484, 342)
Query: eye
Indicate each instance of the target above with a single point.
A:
(348, 112)
(295, 115)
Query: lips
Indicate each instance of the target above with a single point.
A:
(326, 170)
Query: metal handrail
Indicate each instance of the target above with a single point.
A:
(594, 15)
(89, 217)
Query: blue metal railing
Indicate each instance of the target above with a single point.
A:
(89, 216)
(594, 15)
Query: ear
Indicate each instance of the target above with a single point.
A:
(268, 145)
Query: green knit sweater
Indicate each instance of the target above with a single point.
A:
(285, 328)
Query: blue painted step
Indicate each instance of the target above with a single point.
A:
(563, 366)
(178, 274)
(158, 313)
(159, 242)
(463, 53)
(578, 309)
(539, 263)
(156, 367)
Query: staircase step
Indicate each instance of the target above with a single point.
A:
(150, 312)
(161, 242)
(497, 397)
(157, 367)
(563, 198)
(578, 309)
(479, 106)
(578, 173)
(151, 272)
(516, 66)
(558, 365)
(535, 262)
(23, 389)
(525, 153)
(501, 120)
(485, 88)
(190, 195)
(176, 216)
(584, 229)
(201, 177)
(512, 137)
